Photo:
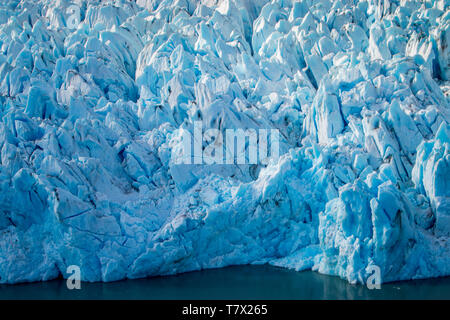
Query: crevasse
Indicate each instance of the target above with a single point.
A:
(90, 127)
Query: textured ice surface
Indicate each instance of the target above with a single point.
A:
(90, 128)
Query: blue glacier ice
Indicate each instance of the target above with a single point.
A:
(92, 116)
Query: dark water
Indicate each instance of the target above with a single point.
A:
(241, 282)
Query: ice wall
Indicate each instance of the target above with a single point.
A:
(91, 116)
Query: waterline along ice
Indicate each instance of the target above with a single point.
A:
(143, 138)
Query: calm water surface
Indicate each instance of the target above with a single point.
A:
(240, 282)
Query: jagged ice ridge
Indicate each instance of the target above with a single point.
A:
(91, 120)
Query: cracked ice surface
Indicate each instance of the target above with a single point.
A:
(90, 121)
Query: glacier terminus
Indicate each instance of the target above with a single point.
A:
(96, 97)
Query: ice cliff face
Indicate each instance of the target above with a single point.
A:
(91, 115)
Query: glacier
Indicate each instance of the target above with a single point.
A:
(92, 107)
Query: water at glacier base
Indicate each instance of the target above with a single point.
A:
(238, 282)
